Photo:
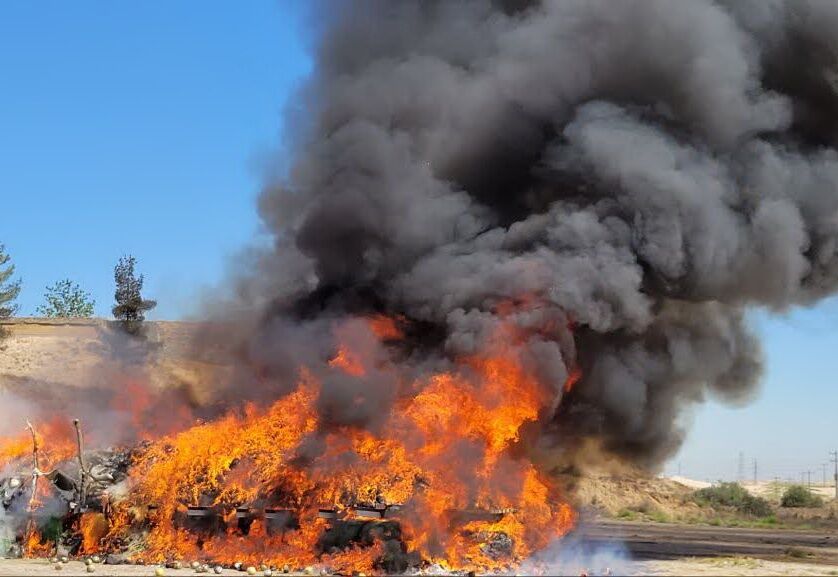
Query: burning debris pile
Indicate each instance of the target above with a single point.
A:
(47, 491)
(249, 487)
(509, 229)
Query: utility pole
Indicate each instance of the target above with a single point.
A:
(809, 476)
(823, 470)
(835, 478)
(755, 471)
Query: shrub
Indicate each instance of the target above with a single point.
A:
(800, 496)
(626, 514)
(659, 517)
(733, 495)
(770, 520)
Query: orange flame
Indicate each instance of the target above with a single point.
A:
(347, 361)
(93, 527)
(55, 444)
(386, 328)
(572, 378)
(443, 453)
(33, 543)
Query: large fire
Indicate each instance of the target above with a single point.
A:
(440, 466)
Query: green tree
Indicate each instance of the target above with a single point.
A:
(9, 290)
(66, 299)
(130, 306)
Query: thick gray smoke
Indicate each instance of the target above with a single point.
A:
(643, 171)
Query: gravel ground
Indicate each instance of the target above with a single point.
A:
(744, 566)
(77, 568)
(731, 566)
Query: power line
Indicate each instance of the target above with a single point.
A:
(834, 459)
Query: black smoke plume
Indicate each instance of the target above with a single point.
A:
(632, 176)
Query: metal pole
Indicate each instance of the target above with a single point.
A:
(30, 524)
(82, 469)
(37, 472)
(835, 478)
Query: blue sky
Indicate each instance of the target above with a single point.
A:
(146, 127)
(792, 423)
(138, 127)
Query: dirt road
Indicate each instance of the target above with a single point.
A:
(663, 541)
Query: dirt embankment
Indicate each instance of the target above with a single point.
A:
(52, 355)
(612, 494)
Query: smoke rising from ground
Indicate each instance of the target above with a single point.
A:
(642, 171)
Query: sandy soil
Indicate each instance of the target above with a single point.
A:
(77, 568)
(745, 566)
(730, 566)
(612, 493)
(772, 491)
(44, 358)
(691, 483)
